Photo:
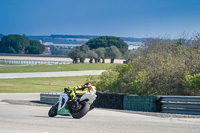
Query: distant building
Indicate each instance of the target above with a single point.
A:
(134, 45)
(130, 47)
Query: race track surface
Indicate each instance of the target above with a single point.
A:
(30, 117)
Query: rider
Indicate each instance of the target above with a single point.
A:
(79, 91)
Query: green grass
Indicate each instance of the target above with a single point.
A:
(55, 68)
(40, 85)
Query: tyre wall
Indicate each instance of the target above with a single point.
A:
(141, 103)
(109, 100)
(127, 102)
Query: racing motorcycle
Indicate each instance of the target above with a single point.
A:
(65, 107)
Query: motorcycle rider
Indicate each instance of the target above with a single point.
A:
(78, 91)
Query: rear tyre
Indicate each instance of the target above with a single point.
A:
(81, 112)
(53, 111)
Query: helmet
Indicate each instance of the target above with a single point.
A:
(88, 84)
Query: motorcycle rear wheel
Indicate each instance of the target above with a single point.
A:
(81, 112)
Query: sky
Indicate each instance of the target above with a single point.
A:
(122, 18)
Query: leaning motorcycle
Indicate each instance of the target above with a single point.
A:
(64, 107)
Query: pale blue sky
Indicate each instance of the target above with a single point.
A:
(124, 18)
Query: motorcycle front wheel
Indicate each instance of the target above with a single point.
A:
(53, 111)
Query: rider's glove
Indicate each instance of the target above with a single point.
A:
(67, 90)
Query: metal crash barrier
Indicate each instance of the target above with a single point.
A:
(34, 62)
(49, 98)
(180, 104)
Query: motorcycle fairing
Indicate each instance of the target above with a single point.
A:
(88, 96)
(62, 102)
(63, 111)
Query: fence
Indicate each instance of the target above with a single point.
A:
(180, 104)
(32, 62)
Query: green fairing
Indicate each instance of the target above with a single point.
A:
(63, 111)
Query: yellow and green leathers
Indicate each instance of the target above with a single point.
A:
(79, 91)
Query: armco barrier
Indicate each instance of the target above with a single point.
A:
(180, 104)
(31, 62)
(49, 98)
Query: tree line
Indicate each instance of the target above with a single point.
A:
(18, 44)
(98, 49)
(80, 53)
(161, 67)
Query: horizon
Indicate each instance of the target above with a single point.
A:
(71, 35)
(127, 18)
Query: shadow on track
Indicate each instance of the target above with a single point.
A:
(60, 117)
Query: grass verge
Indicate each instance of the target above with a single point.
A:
(56, 68)
(40, 85)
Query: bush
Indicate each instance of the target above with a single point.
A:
(162, 67)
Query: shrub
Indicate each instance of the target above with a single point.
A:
(162, 67)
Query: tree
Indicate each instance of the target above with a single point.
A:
(82, 54)
(1, 35)
(163, 67)
(129, 55)
(107, 41)
(54, 50)
(84, 48)
(101, 54)
(112, 52)
(35, 47)
(79, 52)
(14, 44)
(73, 54)
(92, 55)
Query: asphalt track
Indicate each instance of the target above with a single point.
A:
(22, 117)
(50, 74)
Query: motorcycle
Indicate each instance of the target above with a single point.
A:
(65, 107)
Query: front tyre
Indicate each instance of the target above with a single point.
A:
(53, 111)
